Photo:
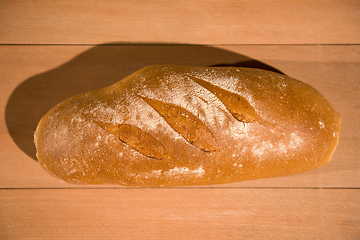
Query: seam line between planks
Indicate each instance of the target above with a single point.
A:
(141, 188)
(173, 44)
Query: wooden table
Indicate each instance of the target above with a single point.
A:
(50, 50)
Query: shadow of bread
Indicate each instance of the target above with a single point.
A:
(99, 67)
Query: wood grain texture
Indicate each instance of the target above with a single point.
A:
(321, 204)
(191, 21)
(180, 214)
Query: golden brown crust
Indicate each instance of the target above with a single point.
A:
(169, 125)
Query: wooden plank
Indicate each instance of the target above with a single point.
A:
(35, 78)
(190, 21)
(180, 214)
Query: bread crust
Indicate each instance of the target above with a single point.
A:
(168, 125)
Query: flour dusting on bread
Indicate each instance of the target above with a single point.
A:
(168, 125)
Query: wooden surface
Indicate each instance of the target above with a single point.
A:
(50, 50)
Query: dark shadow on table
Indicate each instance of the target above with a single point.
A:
(98, 67)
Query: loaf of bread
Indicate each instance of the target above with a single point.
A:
(168, 125)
